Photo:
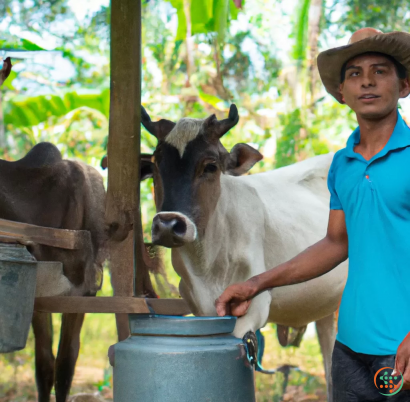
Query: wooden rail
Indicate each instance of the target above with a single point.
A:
(62, 238)
(116, 304)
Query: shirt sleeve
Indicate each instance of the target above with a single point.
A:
(334, 198)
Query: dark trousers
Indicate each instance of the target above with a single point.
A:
(353, 376)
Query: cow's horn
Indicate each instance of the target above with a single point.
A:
(159, 129)
(225, 125)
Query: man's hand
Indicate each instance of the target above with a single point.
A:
(402, 363)
(236, 299)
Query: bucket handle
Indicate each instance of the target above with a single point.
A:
(255, 345)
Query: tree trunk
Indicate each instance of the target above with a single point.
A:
(189, 43)
(315, 14)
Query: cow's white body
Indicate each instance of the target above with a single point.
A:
(260, 221)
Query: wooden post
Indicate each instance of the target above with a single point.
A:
(123, 196)
(125, 116)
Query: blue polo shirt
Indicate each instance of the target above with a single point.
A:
(374, 315)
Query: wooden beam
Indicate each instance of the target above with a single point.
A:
(116, 304)
(168, 306)
(62, 238)
(122, 211)
(123, 152)
(142, 280)
(123, 148)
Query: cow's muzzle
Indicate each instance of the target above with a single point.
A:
(172, 229)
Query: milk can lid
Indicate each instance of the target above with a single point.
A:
(154, 324)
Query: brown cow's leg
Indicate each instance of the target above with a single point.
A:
(123, 326)
(44, 360)
(67, 354)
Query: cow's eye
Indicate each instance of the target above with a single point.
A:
(210, 168)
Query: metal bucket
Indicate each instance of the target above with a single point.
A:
(182, 359)
(18, 270)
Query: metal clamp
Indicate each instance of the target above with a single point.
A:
(255, 345)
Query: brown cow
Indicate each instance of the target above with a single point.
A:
(45, 190)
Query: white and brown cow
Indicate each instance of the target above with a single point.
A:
(224, 229)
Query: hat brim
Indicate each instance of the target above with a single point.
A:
(330, 62)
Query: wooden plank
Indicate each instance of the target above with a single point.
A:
(62, 238)
(78, 304)
(12, 240)
(169, 306)
(116, 304)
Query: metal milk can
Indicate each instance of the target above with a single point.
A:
(182, 359)
(18, 270)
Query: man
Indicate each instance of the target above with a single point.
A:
(369, 221)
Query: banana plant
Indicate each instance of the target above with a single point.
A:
(31, 111)
(206, 16)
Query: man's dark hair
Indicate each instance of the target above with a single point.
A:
(400, 69)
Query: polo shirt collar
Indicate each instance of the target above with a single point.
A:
(400, 138)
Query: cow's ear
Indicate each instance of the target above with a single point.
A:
(147, 167)
(241, 159)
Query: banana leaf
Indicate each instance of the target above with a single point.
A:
(32, 111)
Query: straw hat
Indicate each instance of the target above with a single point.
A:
(330, 62)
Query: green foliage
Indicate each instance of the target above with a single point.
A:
(20, 44)
(78, 134)
(39, 16)
(9, 82)
(386, 15)
(231, 62)
(212, 100)
(220, 20)
(301, 31)
(182, 23)
(290, 140)
(239, 73)
(206, 16)
(32, 111)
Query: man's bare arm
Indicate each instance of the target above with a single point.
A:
(311, 263)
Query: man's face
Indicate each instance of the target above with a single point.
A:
(372, 87)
